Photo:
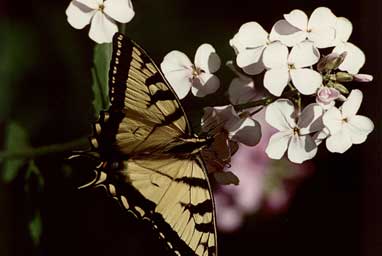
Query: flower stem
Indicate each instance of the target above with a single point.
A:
(43, 150)
(264, 101)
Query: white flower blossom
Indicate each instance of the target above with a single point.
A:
(101, 15)
(295, 28)
(292, 136)
(284, 67)
(249, 44)
(355, 58)
(345, 127)
(198, 77)
(241, 129)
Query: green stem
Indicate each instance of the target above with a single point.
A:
(264, 101)
(44, 150)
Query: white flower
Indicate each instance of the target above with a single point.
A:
(102, 16)
(295, 28)
(240, 128)
(293, 136)
(355, 58)
(345, 127)
(283, 67)
(183, 75)
(249, 44)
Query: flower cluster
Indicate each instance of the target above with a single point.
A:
(302, 56)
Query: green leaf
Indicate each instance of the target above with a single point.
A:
(35, 228)
(16, 139)
(100, 74)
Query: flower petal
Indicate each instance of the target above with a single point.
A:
(322, 17)
(323, 37)
(180, 81)
(310, 119)
(278, 144)
(249, 57)
(93, 4)
(175, 60)
(275, 55)
(344, 28)
(339, 142)
(320, 136)
(255, 68)
(207, 59)
(301, 148)
(251, 34)
(351, 105)
(280, 115)
(298, 19)
(248, 131)
(359, 127)
(275, 80)
(354, 59)
(303, 55)
(102, 28)
(120, 10)
(205, 84)
(241, 90)
(286, 33)
(306, 81)
(332, 119)
(79, 15)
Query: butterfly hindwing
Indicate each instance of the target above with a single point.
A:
(136, 139)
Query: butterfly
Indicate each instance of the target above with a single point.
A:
(150, 159)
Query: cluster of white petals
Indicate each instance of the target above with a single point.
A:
(198, 77)
(293, 137)
(101, 15)
(283, 67)
(345, 126)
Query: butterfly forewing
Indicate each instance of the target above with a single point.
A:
(135, 137)
(152, 117)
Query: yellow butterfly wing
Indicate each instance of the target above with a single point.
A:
(147, 152)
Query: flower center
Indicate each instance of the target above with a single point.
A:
(296, 131)
(101, 7)
(291, 66)
(196, 72)
(345, 120)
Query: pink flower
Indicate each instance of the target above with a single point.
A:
(327, 96)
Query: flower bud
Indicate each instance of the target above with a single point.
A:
(341, 88)
(363, 78)
(330, 61)
(344, 77)
(327, 95)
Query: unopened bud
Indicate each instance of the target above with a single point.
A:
(344, 77)
(341, 88)
(331, 61)
(326, 95)
(363, 78)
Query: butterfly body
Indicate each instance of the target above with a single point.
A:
(149, 157)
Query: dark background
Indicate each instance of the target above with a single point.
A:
(336, 211)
